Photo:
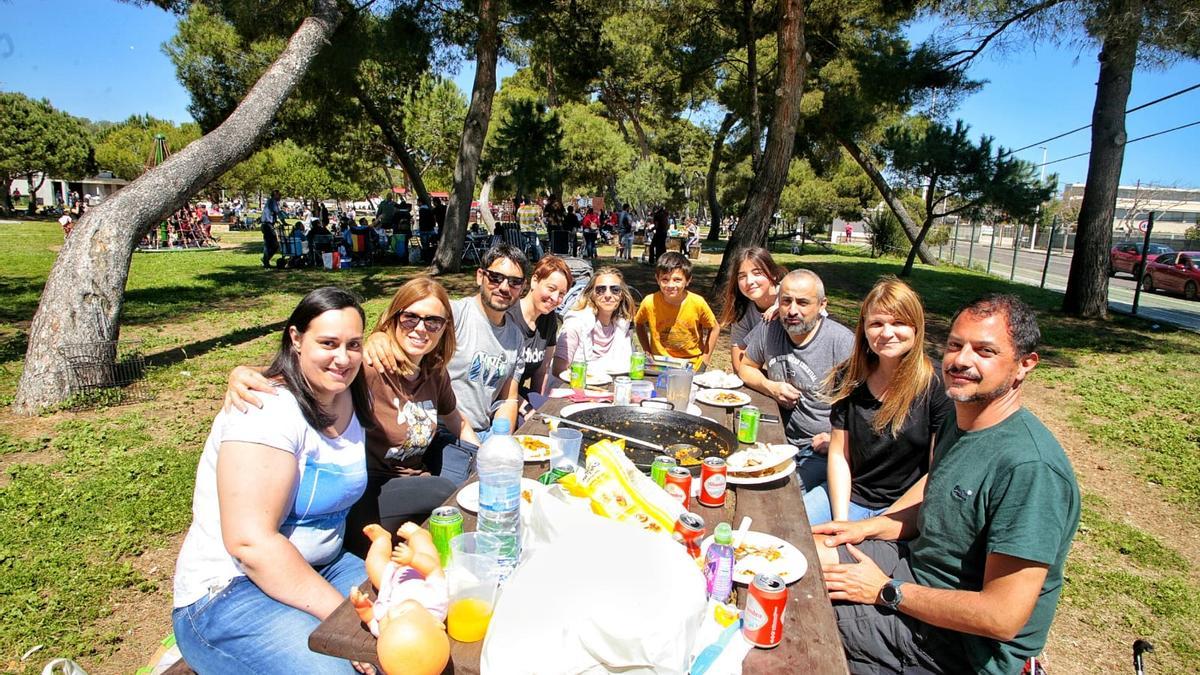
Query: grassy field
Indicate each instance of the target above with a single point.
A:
(92, 504)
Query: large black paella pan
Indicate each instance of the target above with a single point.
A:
(664, 427)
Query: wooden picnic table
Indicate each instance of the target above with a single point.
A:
(811, 641)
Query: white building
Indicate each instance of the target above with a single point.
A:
(1175, 209)
(54, 191)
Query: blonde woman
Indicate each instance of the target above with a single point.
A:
(599, 324)
(888, 403)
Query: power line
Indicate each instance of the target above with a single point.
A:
(1088, 126)
(1135, 140)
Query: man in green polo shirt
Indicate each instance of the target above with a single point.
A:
(963, 573)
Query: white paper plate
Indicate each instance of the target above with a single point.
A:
(718, 379)
(594, 379)
(710, 396)
(538, 454)
(791, 563)
(468, 497)
(788, 470)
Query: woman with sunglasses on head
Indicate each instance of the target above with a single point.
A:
(599, 324)
(534, 313)
(754, 293)
(888, 402)
(263, 562)
(408, 404)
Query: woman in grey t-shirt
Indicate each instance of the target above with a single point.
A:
(756, 291)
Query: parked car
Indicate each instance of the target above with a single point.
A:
(1126, 257)
(1174, 272)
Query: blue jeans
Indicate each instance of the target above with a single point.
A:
(810, 467)
(240, 629)
(816, 503)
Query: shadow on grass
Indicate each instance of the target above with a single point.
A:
(21, 296)
(190, 351)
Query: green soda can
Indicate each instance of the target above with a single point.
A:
(445, 523)
(747, 428)
(659, 468)
(637, 365)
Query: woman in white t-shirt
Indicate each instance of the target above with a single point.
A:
(599, 324)
(755, 292)
(263, 561)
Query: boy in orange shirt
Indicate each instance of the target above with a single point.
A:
(674, 321)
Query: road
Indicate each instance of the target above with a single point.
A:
(1154, 306)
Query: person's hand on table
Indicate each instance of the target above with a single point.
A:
(820, 443)
(381, 352)
(243, 381)
(784, 393)
(855, 582)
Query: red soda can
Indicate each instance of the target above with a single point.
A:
(689, 531)
(762, 622)
(712, 482)
(678, 484)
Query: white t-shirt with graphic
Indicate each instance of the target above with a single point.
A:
(330, 477)
(485, 356)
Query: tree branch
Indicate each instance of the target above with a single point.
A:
(967, 55)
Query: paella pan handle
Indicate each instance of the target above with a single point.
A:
(657, 404)
(606, 432)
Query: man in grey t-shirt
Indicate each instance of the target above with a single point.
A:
(789, 358)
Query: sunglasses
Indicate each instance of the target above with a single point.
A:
(615, 289)
(496, 278)
(409, 321)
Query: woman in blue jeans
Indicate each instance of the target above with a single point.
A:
(263, 564)
(888, 403)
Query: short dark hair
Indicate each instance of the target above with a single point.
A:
(1022, 320)
(671, 261)
(505, 250)
(286, 366)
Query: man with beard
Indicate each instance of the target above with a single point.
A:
(488, 345)
(788, 360)
(963, 572)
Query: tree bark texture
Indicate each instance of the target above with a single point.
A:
(710, 183)
(1087, 283)
(485, 204)
(458, 211)
(85, 291)
(755, 220)
(395, 142)
(891, 199)
(752, 83)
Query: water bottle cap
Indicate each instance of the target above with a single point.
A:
(501, 425)
(723, 534)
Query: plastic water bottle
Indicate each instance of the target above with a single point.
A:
(718, 564)
(501, 462)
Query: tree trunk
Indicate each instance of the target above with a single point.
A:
(85, 291)
(622, 110)
(31, 210)
(458, 211)
(892, 200)
(395, 141)
(752, 82)
(485, 204)
(8, 202)
(710, 183)
(755, 219)
(1087, 283)
(929, 218)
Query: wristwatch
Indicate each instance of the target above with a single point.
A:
(890, 594)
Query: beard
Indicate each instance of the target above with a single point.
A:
(486, 298)
(980, 396)
(803, 328)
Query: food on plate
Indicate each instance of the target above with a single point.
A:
(760, 460)
(534, 447)
(768, 553)
(727, 397)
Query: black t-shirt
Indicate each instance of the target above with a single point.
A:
(533, 351)
(883, 467)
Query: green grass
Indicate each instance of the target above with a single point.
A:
(84, 494)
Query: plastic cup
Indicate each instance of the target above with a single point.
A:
(472, 576)
(679, 387)
(564, 448)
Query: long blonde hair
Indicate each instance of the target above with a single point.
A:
(911, 380)
(419, 288)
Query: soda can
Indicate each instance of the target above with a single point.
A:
(712, 482)
(622, 391)
(578, 374)
(747, 427)
(762, 622)
(689, 531)
(659, 468)
(445, 523)
(637, 365)
(678, 484)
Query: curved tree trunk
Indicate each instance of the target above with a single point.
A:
(914, 233)
(1087, 282)
(485, 204)
(919, 242)
(395, 142)
(755, 219)
(710, 182)
(85, 291)
(458, 211)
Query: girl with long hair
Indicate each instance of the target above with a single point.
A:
(599, 324)
(887, 405)
(264, 562)
(754, 291)
(534, 314)
(408, 406)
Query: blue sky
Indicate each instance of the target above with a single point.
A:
(102, 59)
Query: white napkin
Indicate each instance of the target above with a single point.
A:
(730, 660)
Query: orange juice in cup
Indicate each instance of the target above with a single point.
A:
(468, 619)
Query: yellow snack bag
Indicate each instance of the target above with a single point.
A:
(619, 491)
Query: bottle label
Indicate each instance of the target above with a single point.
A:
(503, 497)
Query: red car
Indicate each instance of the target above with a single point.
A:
(1125, 257)
(1174, 272)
